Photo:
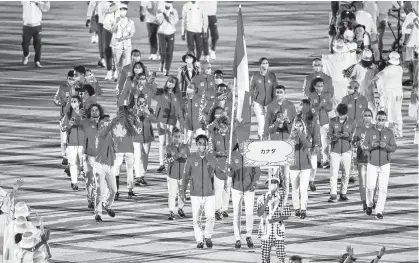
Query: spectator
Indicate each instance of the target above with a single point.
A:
(32, 18)
(211, 7)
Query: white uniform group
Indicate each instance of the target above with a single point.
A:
(348, 119)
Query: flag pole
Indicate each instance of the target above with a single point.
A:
(232, 121)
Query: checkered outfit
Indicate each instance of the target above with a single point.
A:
(272, 234)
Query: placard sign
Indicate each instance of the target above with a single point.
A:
(267, 153)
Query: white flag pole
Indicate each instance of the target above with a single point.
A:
(232, 121)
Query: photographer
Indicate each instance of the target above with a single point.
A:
(83, 76)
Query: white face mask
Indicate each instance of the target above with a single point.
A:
(123, 13)
(218, 81)
(75, 105)
(189, 60)
(138, 70)
(202, 148)
(208, 71)
(136, 58)
(273, 187)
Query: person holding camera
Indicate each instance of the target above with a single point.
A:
(341, 130)
(300, 171)
(194, 26)
(175, 158)
(379, 143)
(167, 19)
(83, 76)
(273, 212)
(75, 138)
(32, 17)
(142, 142)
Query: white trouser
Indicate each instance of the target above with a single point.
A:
(382, 173)
(141, 151)
(129, 162)
(325, 143)
(64, 144)
(394, 113)
(313, 169)
(199, 206)
(335, 160)
(299, 181)
(249, 203)
(106, 190)
(121, 58)
(222, 193)
(89, 164)
(260, 116)
(173, 187)
(75, 159)
(163, 142)
(362, 177)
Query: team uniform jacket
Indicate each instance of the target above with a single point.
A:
(105, 144)
(327, 83)
(321, 110)
(355, 107)
(200, 171)
(131, 89)
(184, 79)
(123, 141)
(243, 178)
(274, 108)
(341, 145)
(127, 72)
(145, 125)
(206, 85)
(180, 154)
(61, 97)
(217, 144)
(75, 135)
(169, 108)
(193, 111)
(380, 156)
(313, 131)
(90, 129)
(302, 153)
(359, 136)
(263, 87)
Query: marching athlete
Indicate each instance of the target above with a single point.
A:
(194, 121)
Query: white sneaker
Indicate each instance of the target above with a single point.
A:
(212, 54)
(150, 57)
(157, 56)
(38, 64)
(26, 59)
(115, 75)
(109, 75)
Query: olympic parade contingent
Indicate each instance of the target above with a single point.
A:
(348, 118)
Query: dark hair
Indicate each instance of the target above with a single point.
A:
(99, 107)
(133, 67)
(70, 112)
(201, 136)
(262, 59)
(218, 72)
(129, 122)
(280, 87)
(314, 82)
(89, 88)
(342, 109)
(70, 74)
(176, 88)
(105, 116)
(18, 238)
(309, 116)
(135, 51)
(296, 258)
(80, 69)
(381, 112)
(175, 130)
(222, 85)
(317, 59)
(212, 114)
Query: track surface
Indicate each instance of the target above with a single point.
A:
(287, 33)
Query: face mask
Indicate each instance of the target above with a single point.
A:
(218, 81)
(202, 148)
(138, 70)
(317, 68)
(123, 13)
(136, 58)
(75, 105)
(273, 187)
(351, 91)
(170, 85)
(189, 60)
(208, 71)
